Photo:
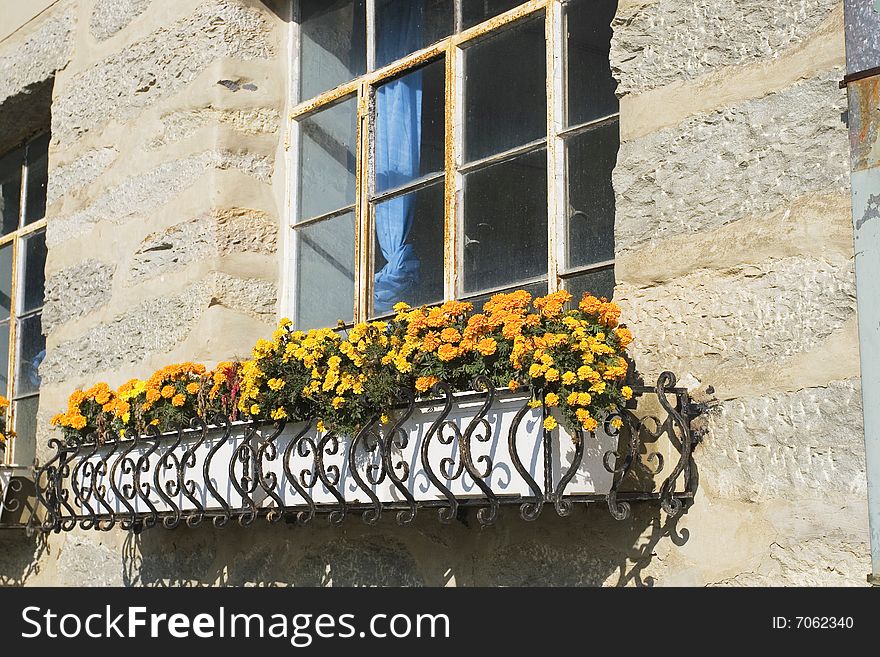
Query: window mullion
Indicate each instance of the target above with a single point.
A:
(362, 201)
(452, 257)
(371, 35)
(555, 145)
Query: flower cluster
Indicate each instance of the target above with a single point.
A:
(4, 410)
(572, 360)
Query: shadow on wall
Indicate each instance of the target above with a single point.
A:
(589, 548)
(20, 556)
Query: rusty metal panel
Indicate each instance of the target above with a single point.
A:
(862, 19)
(864, 123)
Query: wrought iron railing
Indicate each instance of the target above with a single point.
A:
(478, 450)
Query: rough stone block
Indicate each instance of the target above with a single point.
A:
(110, 16)
(660, 42)
(76, 291)
(123, 84)
(743, 160)
(79, 173)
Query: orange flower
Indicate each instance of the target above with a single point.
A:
(192, 388)
(590, 304)
(178, 400)
(167, 391)
(425, 383)
(447, 352)
(487, 346)
(609, 313)
(625, 336)
(450, 334)
(431, 341)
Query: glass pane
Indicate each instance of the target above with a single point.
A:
(5, 280)
(4, 358)
(410, 127)
(34, 271)
(333, 40)
(38, 163)
(599, 283)
(476, 11)
(10, 190)
(538, 289)
(26, 429)
(404, 26)
(325, 282)
(31, 352)
(505, 91)
(591, 158)
(505, 222)
(590, 83)
(328, 160)
(409, 249)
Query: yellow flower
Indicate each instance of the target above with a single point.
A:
(400, 306)
(535, 370)
(192, 388)
(627, 392)
(338, 402)
(276, 384)
(513, 385)
(384, 419)
(279, 414)
(155, 422)
(616, 422)
(255, 409)
(552, 374)
(321, 426)
(568, 378)
(178, 399)
(535, 403)
(550, 423)
(447, 352)
(551, 399)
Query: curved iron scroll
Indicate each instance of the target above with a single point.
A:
(482, 450)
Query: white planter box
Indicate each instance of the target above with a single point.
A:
(97, 495)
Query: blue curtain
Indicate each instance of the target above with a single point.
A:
(398, 145)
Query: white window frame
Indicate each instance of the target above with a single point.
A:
(451, 49)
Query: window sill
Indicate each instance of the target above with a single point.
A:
(440, 456)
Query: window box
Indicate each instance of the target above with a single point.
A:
(438, 456)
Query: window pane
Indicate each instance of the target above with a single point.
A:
(34, 271)
(10, 190)
(538, 289)
(590, 83)
(4, 358)
(591, 158)
(409, 249)
(505, 91)
(25, 428)
(333, 44)
(328, 159)
(505, 222)
(325, 282)
(404, 26)
(38, 163)
(5, 280)
(476, 11)
(410, 127)
(599, 283)
(31, 352)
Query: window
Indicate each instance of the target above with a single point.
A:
(23, 177)
(439, 154)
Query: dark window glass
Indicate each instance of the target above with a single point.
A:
(590, 83)
(591, 156)
(505, 222)
(599, 283)
(25, 428)
(328, 160)
(505, 91)
(5, 280)
(325, 281)
(31, 352)
(34, 271)
(409, 249)
(37, 177)
(10, 190)
(410, 127)
(405, 26)
(333, 44)
(4, 357)
(476, 11)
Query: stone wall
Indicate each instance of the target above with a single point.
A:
(734, 251)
